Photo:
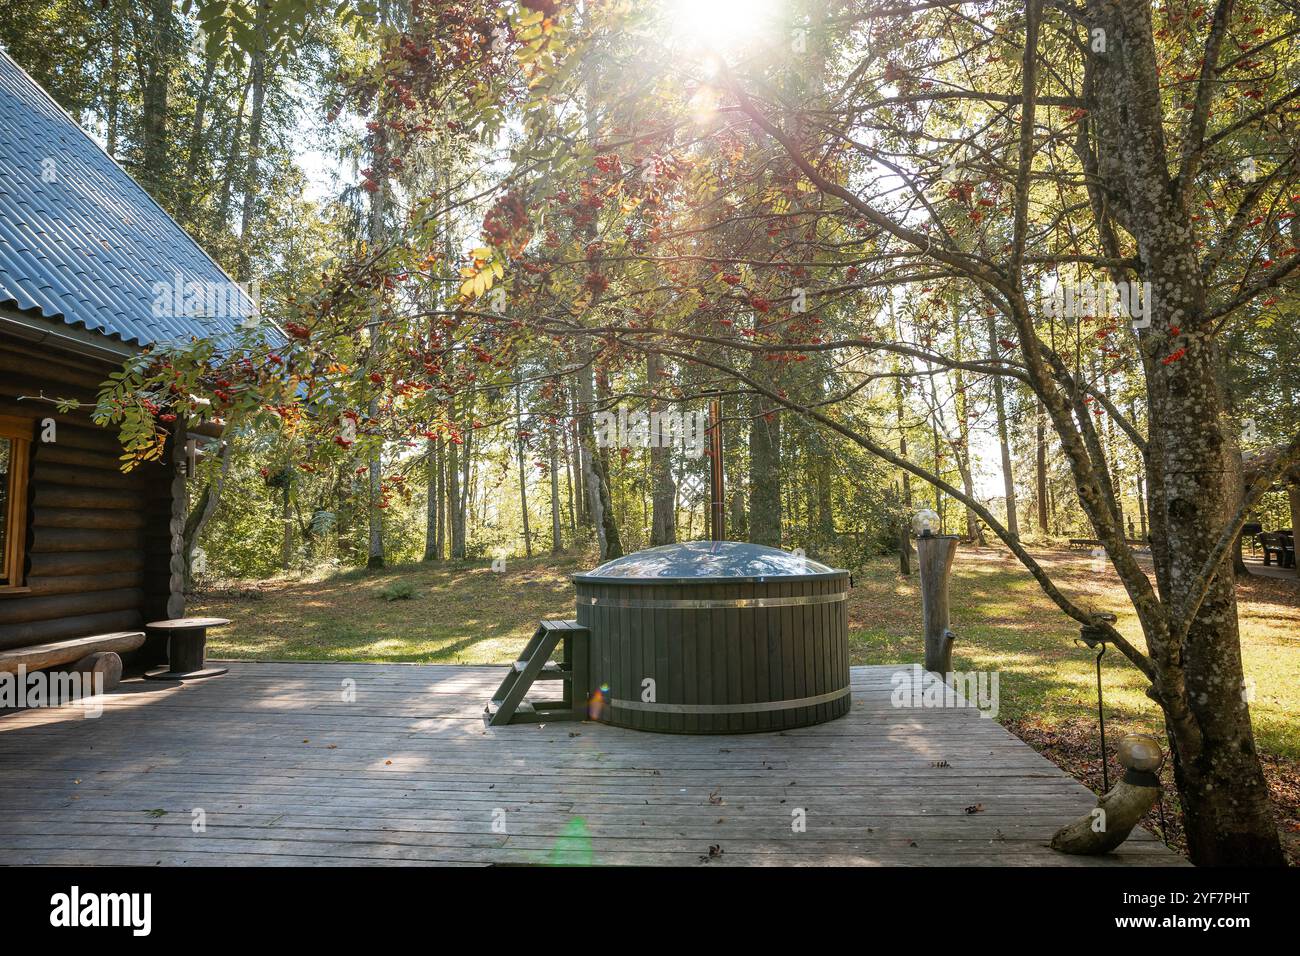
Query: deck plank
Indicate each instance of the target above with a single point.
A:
(287, 773)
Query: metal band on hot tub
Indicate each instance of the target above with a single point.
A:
(762, 707)
(692, 605)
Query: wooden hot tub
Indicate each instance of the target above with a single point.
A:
(715, 637)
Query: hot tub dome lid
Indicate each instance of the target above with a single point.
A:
(703, 560)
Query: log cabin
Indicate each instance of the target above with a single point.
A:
(87, 259)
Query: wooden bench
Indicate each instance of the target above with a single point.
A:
(1278, 546)
(70, 651)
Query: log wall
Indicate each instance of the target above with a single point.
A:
(97, 538)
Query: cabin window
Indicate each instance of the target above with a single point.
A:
(15, 451)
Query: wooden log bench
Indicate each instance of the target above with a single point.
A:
(71, 651)
(98, 654)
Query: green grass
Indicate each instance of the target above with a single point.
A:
(462, 613)
(1003, 622)
(467, 613)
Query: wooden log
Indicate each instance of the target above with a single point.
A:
(55, 653)
(88, 518)
(86, 436)
(56, 564)
(9, 405)
(58, 453)
(105, 663)
(44, 632)
(935, 554)
(62, 540)
(83, 583)
(50, 494)
(93, 371)
(77, 477)
(22, 372)
(29, 609)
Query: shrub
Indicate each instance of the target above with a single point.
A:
(398, 591)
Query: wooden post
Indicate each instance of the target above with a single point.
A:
(934, 554)
(176, 524)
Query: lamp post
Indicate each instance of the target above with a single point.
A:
(934, 557)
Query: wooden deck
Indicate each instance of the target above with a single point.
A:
(286, 772)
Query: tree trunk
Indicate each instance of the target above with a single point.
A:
(999, 405)
(1293, 498)
(252, 178)
(1195, 481)
(457, 490)
(440, 492)
(974, 530)
(286, 522)
(375, 556)
(904, 548)
(185, 202)
(156, 51)
(824, 478)
(577, 465)
(557, 537)
(204, 508)
(663, 523)
(523, 475)
(566, 429)
(455, 505)
(764, 464)
(606, 483)
(431, 550)
(114, 91)
(938, 452)
(593, 471)
(232, 156)
(1040, 466)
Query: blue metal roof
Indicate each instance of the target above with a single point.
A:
(82, 241)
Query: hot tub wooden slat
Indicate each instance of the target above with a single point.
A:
(722, 661)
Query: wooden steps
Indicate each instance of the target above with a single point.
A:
(509, 706)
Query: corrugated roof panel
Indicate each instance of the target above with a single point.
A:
(80, 240)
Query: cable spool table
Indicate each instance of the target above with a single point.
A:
(187, 645)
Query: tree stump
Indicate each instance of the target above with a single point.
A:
(934, 555)
(105, 663)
